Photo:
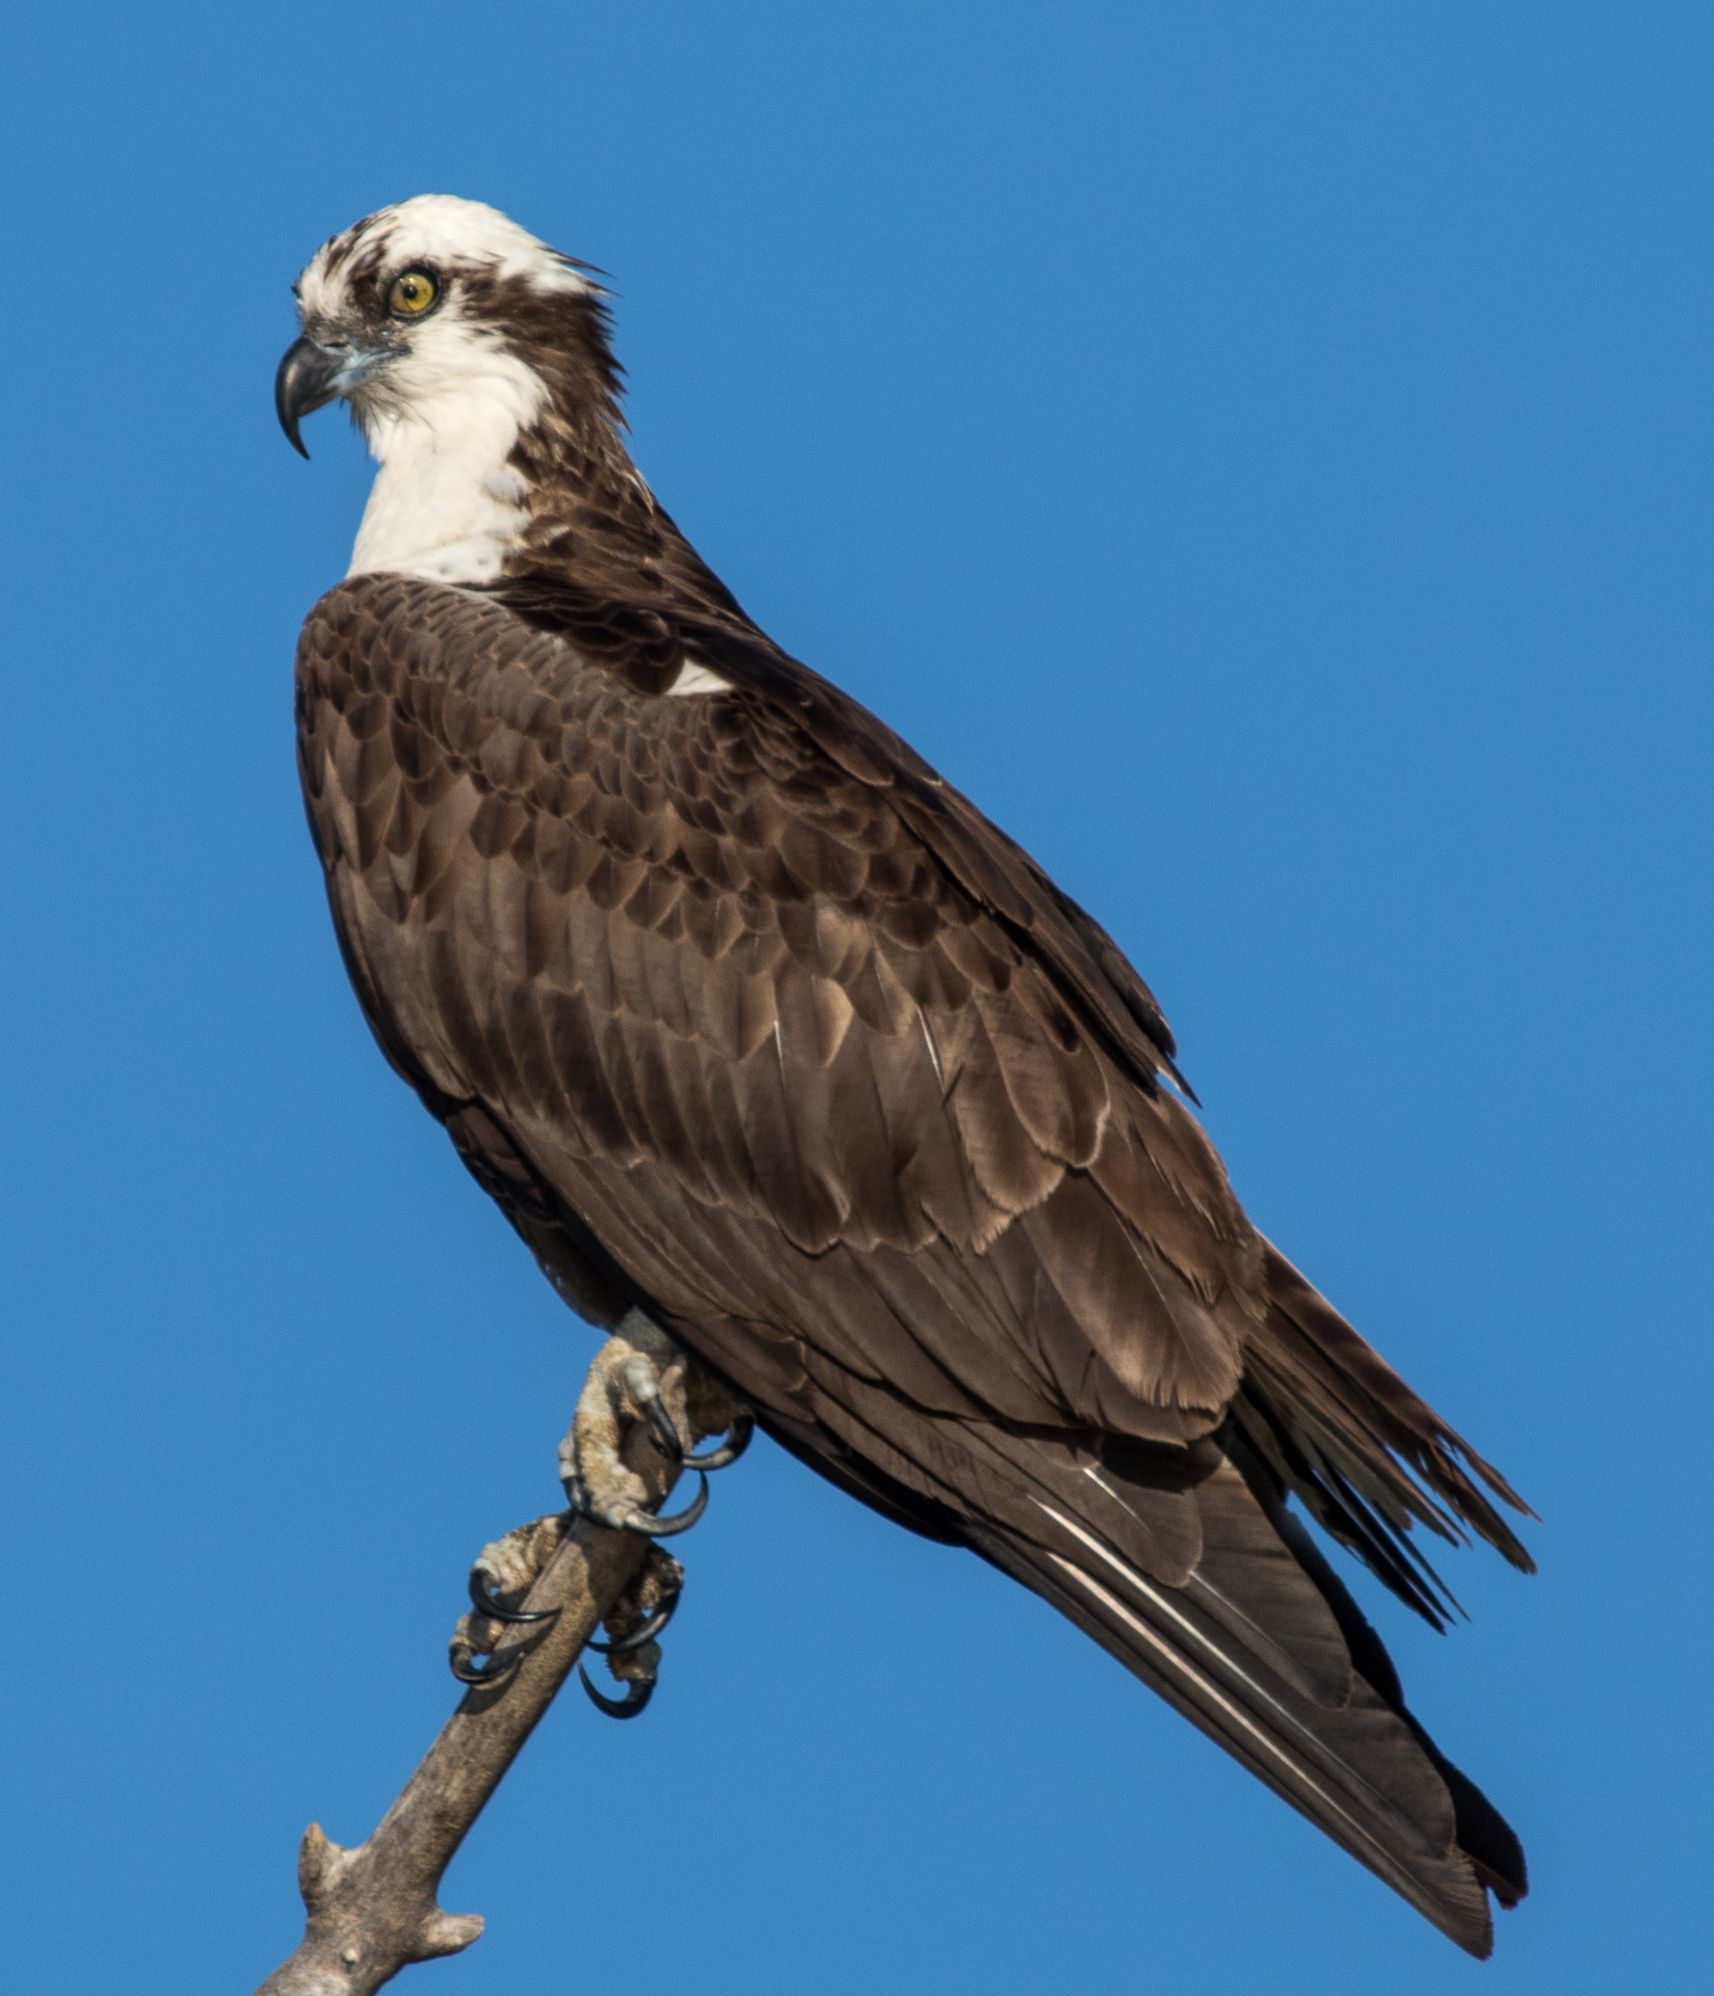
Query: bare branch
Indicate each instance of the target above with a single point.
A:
(373, 1910)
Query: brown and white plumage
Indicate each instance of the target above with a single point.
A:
(748, 1019)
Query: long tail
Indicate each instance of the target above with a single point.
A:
(1367, 1458)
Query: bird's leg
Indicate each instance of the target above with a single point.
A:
(640, 1375)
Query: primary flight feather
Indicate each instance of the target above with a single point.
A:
(752, 1023)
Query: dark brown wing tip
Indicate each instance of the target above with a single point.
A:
(1453, 1470)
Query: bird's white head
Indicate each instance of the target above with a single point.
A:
(452, 333)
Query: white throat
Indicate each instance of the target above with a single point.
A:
(446, 503)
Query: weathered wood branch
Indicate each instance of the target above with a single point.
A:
(374, 1909)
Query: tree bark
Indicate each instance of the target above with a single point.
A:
(373, 1910)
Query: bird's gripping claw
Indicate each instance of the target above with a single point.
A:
(638, 1377)
(503, 1574)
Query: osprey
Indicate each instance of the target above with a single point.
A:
(757, 1030)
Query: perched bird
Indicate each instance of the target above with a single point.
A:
(757, 1030)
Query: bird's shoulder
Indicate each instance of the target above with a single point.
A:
(560, 700)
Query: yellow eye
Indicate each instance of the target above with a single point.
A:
(413, 292)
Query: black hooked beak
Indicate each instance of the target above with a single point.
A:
(312, 375)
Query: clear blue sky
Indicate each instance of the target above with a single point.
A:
(1260, 452)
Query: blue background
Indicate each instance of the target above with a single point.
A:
(1262, 453)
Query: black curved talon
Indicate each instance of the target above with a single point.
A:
(653, 1527)
(738, 1438)
(495, 1671)
(620, 1645)
(667, 1437)
(635, 1698)
(496, 1610)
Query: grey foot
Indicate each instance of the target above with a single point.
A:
(503, 1574)
(641, 1377)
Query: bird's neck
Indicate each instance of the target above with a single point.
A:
(447, 503)
(509, 485)
(496, 482)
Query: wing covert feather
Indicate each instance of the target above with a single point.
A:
(674, 939)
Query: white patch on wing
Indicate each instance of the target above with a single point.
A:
(695, 677)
